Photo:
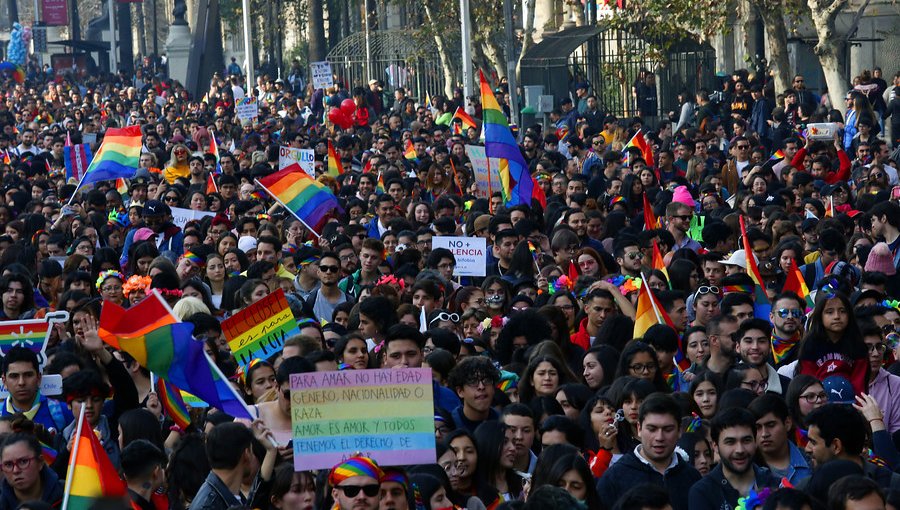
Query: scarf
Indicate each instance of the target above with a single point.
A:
(781, 347)
(30, 414)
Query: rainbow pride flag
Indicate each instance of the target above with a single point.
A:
(118, 156)
(500, 144)
(335, 168)
(91, 474)
(170, 398)
(777, 155)
(795, 283)
(151, 334)
(646, 152)
(466, 119)
(214, 150)
(30, 335)
(48, 453)
(410, 152)
(762, 306)
(309, 200)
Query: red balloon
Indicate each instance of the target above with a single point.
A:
(336, 116)
(348, 106)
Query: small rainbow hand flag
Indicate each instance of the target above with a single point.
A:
(410, 152)
(335, 168)
(170, 398)
(91, 474)
(308, 199)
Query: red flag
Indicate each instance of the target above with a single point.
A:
(650, 220)
(573, 272)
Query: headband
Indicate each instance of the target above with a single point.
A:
(354, 466)
(194, 258)
(104, 275)
(393, 474)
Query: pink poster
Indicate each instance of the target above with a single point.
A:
(56, 12)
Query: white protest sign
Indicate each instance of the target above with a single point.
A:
(50, 385)
(485, 186)
(246, 108)
(180, 216)
(305, 159)
(469, 253)
(322, 76)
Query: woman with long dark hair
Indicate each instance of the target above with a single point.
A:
(833, 343)
(496, 457)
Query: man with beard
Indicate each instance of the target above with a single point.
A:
(734, 436)
(787, 318)
(721, 344)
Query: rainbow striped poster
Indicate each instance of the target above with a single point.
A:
(31, 334)
(384, 414)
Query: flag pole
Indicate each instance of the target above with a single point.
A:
(78, 187)
(73, 459)
(288, 208)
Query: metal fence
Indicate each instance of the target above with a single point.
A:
(399, 58)
(610, 61)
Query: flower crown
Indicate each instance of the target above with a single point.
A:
(136, 282)
(492, 323)
(104, 275)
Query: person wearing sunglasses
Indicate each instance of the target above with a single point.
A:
(356, 484)
(679, 216)
(787, 317)
(177, 166)
(328, 296)
(705, 303)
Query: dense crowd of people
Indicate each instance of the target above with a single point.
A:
(545, 395)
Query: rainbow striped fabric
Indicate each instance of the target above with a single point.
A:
(762, 306)
(91, 473)
(466, 119)
(335, 168)
(410, 152)
(170, 398)
(499, 143)
(118, 156)
(309, 200)
(149, 332)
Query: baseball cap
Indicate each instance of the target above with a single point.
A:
(738, 258)
(839, 390)
(155, 208)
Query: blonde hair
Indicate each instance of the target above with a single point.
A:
(189, 305)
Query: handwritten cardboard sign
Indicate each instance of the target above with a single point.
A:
(298, 159)
(246, 108)
(384, 414)
(260, 330)
(486, 177)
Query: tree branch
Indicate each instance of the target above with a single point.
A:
(854, 25)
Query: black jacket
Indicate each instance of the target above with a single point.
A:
(714, 492)
(630, 471)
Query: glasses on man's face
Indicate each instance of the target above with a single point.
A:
(814, 398)
(22, 463)
(684, 217)
(742, 147)
(784, 313)
(480, 381)
(329, 269)
(351, 491)
(641, 368)
(635, 255)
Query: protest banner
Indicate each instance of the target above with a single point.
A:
(181, 216)
(246, 108)
(468, 251)
(304, 159)
(384, 414)
(322, 75)
(51, 384)
(486, 181)
(259, 330)
(31, 334)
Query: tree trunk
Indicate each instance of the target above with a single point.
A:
(830, 49)
(316, 28)
(527, 36)
(772, 14)
(495, 55)
(544, 18)
(450, 78)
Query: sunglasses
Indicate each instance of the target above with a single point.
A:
(685, 217)
(351, 491)
(784, 313)
(707, 289)
(329, 269)
(444, 316)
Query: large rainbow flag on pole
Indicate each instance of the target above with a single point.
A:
(762, 306)
(91, 474)
(118, 156)
(308, 199)
(518, 184)
(151, 334)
